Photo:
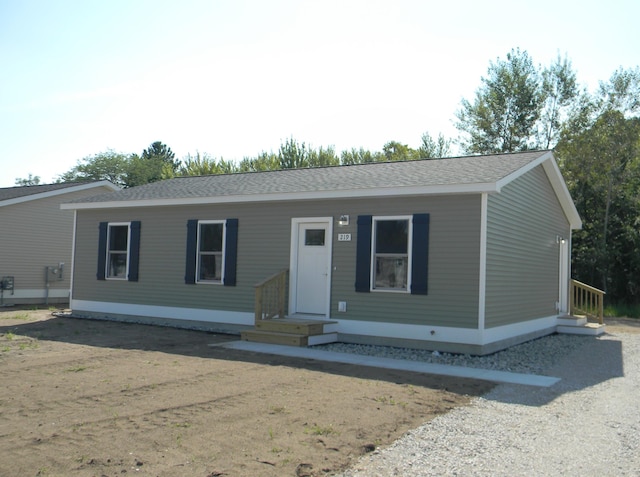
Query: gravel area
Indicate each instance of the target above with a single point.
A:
(588, 424)
(533, 357)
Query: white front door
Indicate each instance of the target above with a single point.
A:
(311, 266)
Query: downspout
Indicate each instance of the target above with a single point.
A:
(482, 279)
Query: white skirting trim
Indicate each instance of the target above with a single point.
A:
(173, 313)
(444, 334)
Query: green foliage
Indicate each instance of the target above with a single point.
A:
(434, 149)
(622, 311)
(360, 156)
(157, 162)
(29, 181)
(506, 107)
(518, 107)
(599, 153)
(395, 151)
(109, 165)
(202, 165)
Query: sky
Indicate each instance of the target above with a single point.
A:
(234, 78)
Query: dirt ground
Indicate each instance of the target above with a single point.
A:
(94, 398)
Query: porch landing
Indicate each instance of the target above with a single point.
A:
(579, 325)
(292, 331)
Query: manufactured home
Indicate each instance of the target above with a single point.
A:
(36, 240)
(467, 254)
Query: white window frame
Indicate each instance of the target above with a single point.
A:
(222, 252)
(109, 251)
(372, 278)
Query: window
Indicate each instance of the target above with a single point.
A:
(210, 251)
(392, 254)
(119, 251)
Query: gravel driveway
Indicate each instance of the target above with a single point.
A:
(588, 424)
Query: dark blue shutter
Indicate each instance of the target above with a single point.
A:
(230, 252)
(134, 251)
(102, 250)
(420, 254)
(192, 243)
(363, 254)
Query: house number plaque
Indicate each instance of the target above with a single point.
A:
(344, 237)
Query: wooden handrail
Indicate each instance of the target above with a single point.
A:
(587, 300)
(270, 296)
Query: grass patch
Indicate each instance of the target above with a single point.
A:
(622, 311)
(9, 336)
(317, 430)
(75, 369)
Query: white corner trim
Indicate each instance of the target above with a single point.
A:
(169, 312)
(482, 279)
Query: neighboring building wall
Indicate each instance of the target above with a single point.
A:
(35, 234)
(523, 222)
(264, 236)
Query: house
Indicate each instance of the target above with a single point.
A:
(36, 240)
(467, 254)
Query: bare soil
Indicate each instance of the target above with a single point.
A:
(95, 398)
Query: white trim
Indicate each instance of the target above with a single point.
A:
(563, 274)
(73, 253)
(444, 334)
(293, 196)
(293, 259)
(523, 170)
(562, 192)
(168, 312)
(62, 191)
(410, 332)
(482, 279)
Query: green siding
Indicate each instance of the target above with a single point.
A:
(35, 234)
(523, 222)
(264, 236)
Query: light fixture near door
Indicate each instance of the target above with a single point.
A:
(343, 221)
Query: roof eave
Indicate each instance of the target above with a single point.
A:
(475, 188)
(53, 193)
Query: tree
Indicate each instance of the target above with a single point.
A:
(157, 162)
(29, 181)
(599, 153)
(432, 149)
(265, 161)
(360, 156)
(395, 151)
(560, 92)
(323, 157)
(109, 165)
(506, 108)
(293, 155)
(202, 165)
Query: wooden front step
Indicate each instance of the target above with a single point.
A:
(274, 337)
(291, 332)
(293, 325)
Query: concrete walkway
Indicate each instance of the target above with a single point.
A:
(397, 364)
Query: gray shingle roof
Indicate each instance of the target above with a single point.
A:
(423, 173)
(7, 193)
